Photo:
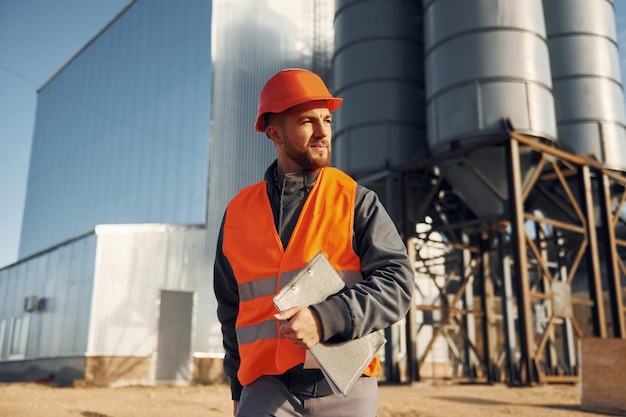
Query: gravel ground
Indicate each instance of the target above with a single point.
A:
(419, 400)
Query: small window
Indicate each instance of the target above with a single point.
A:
(19, 335)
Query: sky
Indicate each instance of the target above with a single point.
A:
(37, 37)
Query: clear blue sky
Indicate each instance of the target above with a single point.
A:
(37, 37)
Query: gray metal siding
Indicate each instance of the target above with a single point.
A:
(121, 131)
(63, 278)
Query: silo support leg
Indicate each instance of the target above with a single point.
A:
(614, 278)
(593, 256)
(527, 375)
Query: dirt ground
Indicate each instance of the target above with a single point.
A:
(416, 400)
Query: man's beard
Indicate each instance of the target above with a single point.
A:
(308, 158)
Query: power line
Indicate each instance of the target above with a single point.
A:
(17, 74)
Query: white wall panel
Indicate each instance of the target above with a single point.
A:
(134, 263)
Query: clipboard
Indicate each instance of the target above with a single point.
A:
(342, 363)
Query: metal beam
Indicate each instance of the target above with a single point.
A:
(520, 264)
(593, 256)
(614, 277)
(489, 308)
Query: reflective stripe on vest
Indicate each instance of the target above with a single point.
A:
(261, 266)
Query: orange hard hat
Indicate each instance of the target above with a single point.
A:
(288, 88)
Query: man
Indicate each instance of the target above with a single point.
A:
(271, 230)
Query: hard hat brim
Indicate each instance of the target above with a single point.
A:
(332, 103)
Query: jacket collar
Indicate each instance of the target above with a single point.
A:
(292, 182)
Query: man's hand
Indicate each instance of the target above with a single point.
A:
(303, 327)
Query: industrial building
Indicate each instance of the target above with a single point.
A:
(494, 132)
(140, 141)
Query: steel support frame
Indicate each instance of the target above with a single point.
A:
(523, 249)
(453, 307)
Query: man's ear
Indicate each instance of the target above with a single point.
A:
(274, 134)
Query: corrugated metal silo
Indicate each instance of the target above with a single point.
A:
(485, 60)
(588, 94)
(378, 70)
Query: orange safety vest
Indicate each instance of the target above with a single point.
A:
(262, 267)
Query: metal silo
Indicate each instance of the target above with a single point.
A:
(378, 70)
(588, 93)
(486, 60)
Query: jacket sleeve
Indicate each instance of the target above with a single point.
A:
(384, 295)
(227, 294)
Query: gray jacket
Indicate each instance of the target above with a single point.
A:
(382, 299)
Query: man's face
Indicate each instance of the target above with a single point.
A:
(303, 137)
